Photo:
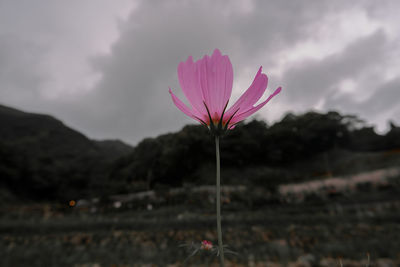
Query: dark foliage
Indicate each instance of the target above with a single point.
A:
(188, 156)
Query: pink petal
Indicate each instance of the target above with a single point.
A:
(247, 113)
(216, 79)
(179, 104)
(189, 81)
(252, 94)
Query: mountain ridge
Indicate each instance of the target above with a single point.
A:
(38, 151)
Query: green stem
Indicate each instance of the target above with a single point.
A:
(218, 196)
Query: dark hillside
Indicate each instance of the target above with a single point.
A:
(41, 158)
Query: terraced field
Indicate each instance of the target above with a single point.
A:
(314, 232)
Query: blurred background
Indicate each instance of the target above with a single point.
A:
(99, 168)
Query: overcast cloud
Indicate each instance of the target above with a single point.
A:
(104, 67)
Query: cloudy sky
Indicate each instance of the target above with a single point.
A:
(104, 67)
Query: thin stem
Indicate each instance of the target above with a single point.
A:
(218, 196)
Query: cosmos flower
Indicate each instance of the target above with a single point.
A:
(207, 84)
(206, 245)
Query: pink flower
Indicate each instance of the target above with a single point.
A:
(206, 245)
(207, 84)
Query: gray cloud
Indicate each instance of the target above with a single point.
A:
(19, 77)
(376, 107)
(385, 97)
(312, 80)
